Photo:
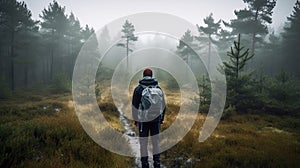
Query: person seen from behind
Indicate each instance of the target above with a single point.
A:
(148, 110)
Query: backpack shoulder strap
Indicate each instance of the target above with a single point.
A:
(149, 86)
(153, 86)
(143, 86)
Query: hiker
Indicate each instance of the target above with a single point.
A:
(148, 119)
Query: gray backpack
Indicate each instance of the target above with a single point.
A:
(151, 105)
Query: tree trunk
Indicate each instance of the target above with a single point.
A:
(51, 63)
(2, 68)
(51, 56)
(71, 60)
(254, 34)
(253, 44)
(48, 69)
(187, 58)
(12, 52)
(26, 75)
(209, 54)
(127, 52)
(12, 74)
(26, 69)
(44, 70)
(237, 63)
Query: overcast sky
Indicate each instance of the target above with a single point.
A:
(97, 13)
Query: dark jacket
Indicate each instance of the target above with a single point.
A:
(137, 95)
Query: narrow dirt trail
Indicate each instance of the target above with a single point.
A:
(133, 141)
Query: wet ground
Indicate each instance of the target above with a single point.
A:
(133, 141)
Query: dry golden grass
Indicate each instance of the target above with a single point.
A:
(32, 137)
(253, 140)
(35, 137)
(238, 143)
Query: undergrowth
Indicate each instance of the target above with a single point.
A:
(42, 130)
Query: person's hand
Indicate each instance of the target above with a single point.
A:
(161, 122)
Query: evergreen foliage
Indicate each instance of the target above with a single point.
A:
(129, 37)
(238, 84)
(211, 28)
(253, 19)
(291, 41)
(15, 19)
(184, 47)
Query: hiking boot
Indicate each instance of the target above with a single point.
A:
(145, 165)
(156, 160)
(156, 165)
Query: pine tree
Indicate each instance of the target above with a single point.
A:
(270, 54)
(15, 17)
(74, 42)
(86, 33)
(283, 95)
(253, 20)
(238, 58)
(73, 34)
(225, 38)
(128, 36)
(185, 44)
(238, 92)
(27, 40)
(205, 92)
(212, 28)
(54, 25)
(291, 42)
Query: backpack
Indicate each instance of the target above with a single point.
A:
(151, 105)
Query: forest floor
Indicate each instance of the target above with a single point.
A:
(42, 130)
(249, 140)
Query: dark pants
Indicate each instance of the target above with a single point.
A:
(144, 129)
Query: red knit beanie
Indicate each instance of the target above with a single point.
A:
(147, 72)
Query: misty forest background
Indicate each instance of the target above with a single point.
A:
(37, 58)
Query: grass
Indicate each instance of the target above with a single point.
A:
(34, 136)
(249, 140)
(244, 141)
(42, 130)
